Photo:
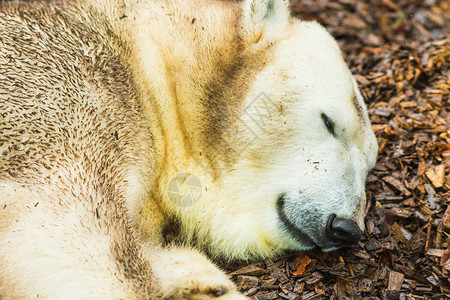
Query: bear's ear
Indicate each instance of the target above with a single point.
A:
(264, 19)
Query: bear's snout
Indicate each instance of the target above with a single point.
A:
(340, 231)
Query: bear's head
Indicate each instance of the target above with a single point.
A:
(303, 146)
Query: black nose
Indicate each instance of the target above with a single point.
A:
(341, 231)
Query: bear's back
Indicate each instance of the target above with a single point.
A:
(64, 94)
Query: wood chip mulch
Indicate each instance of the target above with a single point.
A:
(400, 53)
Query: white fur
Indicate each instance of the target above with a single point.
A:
(293, 152)
(63, 251)
(265, 19)
(59, 247)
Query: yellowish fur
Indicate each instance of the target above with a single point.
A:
(103, 103)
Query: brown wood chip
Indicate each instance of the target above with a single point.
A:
(395, 281)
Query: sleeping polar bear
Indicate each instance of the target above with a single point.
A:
(233, 128)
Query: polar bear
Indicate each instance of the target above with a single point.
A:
(135, 135)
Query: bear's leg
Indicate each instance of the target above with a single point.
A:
(186, 274)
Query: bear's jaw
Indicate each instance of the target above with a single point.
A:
(334, 234)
